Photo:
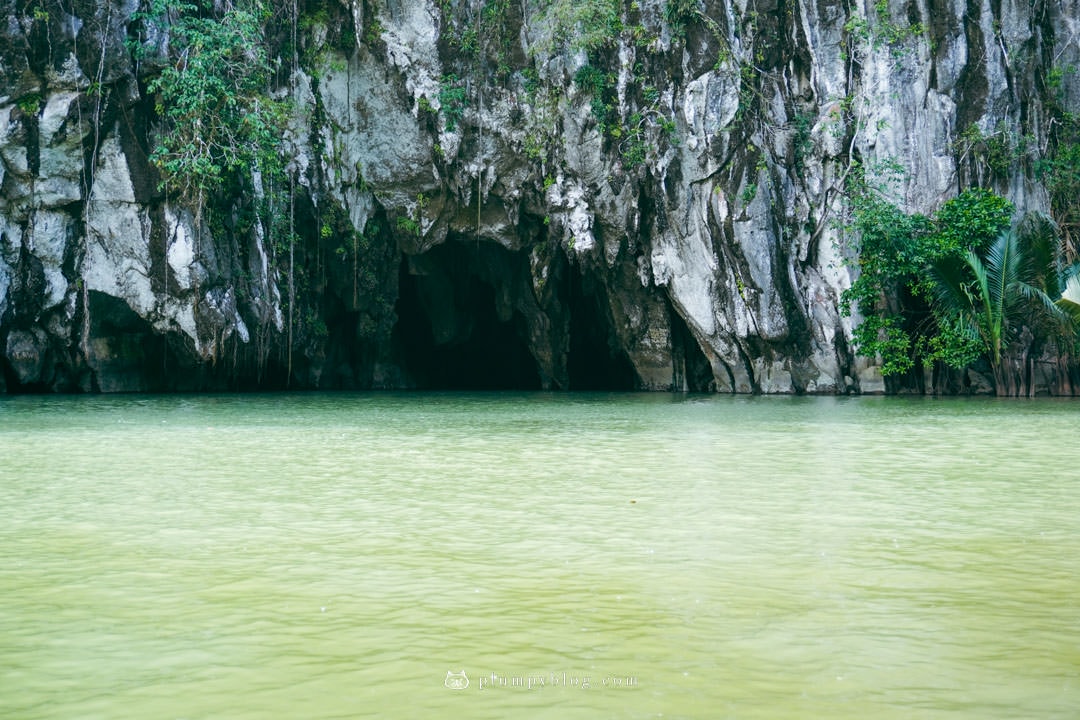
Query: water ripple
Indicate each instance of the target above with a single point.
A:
(332, 556)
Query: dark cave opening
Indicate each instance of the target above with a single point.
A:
(450, 333)
(695, 370)
(595, 362)
(125, 352)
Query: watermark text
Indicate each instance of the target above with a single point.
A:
(564, 679)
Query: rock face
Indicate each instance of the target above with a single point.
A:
(499, 195)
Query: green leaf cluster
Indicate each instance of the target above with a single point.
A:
(218, 119)
(638, 132)
(1060, 167)
(588, 25)
(893, 290)
(484, 33)
(679, 13)
(878, 30)
(971, 220)
(601, 87)
(452, 100)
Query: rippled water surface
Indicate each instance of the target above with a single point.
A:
(562, 556)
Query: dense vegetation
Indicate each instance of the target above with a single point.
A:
(220, 122)
(970, 285)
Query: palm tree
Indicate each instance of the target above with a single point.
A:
(994, 301)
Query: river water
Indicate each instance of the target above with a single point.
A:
(538, 555)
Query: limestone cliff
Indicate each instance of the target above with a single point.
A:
(484, 195)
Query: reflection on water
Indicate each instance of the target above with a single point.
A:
(570, 556)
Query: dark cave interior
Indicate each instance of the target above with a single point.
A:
(452, 333)
(595, 362)
(449, 334)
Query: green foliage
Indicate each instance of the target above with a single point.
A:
(318, 17)
(535, 146)
(485, 35)
(884, 336)
(748, 91)
(1069, 302)
(30, 104)
(588, 25)
(634, 147)
(1060, 167)
(411, 224)
(452, 100)
(637, 133)
(213, 100)
(973, 219)
(360, 267)
(987, 298)
(679, 13)
(893, 247)
(322, 19)
(373, 32)
(544, 104)
(803, 144)
(958, 286)
(532, 83)
(880, 30)
(408, 225)
(891, 251)
(894, 289)
(1061, 172)
(591, 79)
(498, 29)
(670, 128)
(600, 86)
(315, 324)
(993, 154)
(952, 344)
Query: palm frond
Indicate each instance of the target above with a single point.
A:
(1037, 296)
(1002, 269)
(990, 297)
(1069, 302)
(949, 289)
(1041, 239)
(978, 270)
(980, 319)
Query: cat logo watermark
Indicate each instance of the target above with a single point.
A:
(456, 680)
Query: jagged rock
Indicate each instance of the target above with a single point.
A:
(25, 351)
(675, 225)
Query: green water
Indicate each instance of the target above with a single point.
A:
(348, 556)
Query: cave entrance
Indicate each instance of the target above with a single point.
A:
(451, 332)
(693, 372)
(595, 361)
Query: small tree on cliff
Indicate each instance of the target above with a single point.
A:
(218, 120)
